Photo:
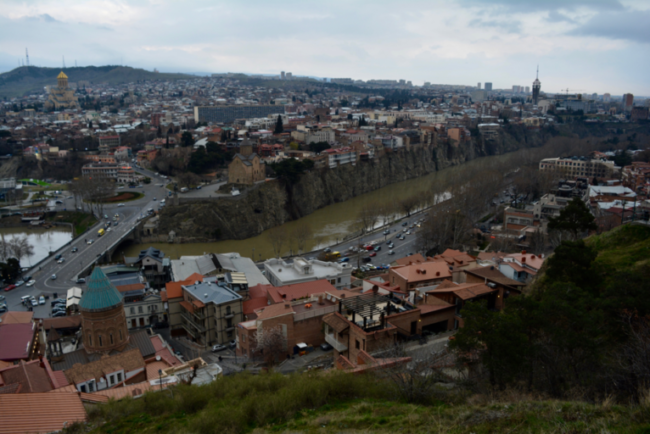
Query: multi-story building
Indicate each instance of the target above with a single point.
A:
(340, 156)
(106, 143)
(154, 266)
(230, 113)
(579, 166)
(280, 273)
(488, 86)
(410, 277)
(309, 135)
(637, 177)
(120, 173)
(607, 97)
(210, 312)
(628, 102)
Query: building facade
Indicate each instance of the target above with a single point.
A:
(230, 113)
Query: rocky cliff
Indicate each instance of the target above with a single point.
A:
(274, 203)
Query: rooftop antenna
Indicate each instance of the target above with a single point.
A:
(27, 56)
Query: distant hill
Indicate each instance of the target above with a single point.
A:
(25, 80)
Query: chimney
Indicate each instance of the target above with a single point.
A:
(320, 299)
(532, 257)
(375, 289)
(523, 252)
(437, 273)
(287, 305)
(523, 259)
(423, 271)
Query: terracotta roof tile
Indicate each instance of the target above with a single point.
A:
(40, 412)
(299, 290)
(336, 321)
(274, 310)
(64, 322)
(128, 361)
(12, 317)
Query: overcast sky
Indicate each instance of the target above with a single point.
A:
(584, 45)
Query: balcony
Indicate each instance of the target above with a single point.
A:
(335, 343)
(192, 322)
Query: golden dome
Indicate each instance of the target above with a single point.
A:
(62, 75)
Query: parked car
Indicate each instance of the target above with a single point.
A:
(120, 204)
(60, 261)
(20, 282)
(232, 345)
(218, 347)
(2, 298)
(34, 302)
(325, 346)
(81, 280)
(41, 300)
(75, 250)
(327, 250)
(30, 283)
(367, 259)
(391, 252)
(58, 314)
(386, 232)
(372, 254)
(10, 287)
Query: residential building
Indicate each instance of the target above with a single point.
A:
(172, 296)
(19, 340)
(410, 277)
(154, 266)
(40, 412)
(106, 143)
(627, 102)
(281, 273)
(210, 311)
(457, 294)
(126, 367)
(340, 156)
(230, 113)
(637, 177)
(488, 86)
(120, 173)
(580, 167)
(522, 267)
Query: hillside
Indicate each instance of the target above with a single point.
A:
(25, 80)
(337, 402)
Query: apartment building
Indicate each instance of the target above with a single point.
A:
(230, 113)
(210, 312)
(120, 173)
(339, 157)
(308, 134)
(280, 273)
(580, 166)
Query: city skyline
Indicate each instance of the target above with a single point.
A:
(587, 47)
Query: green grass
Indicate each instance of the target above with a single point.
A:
(625, 247)
(80, 220)
(35, 181)
(336, 402)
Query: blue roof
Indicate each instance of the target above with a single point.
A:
(101, 293)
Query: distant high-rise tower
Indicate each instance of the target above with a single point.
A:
(628, 102)
(282, 75)
(607, 97)
(478, 86)
(488, 86)
(537, 85)
(527, 90)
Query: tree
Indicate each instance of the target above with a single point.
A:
(278, 126)
(159, 132)
(277, 236)
(303, 233)
(21, 248)
(575, 218)
(368, 216)
(271, 343)
(10, 270)
(187, 140)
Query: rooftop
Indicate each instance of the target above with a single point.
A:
(16, 341)
(127, 361)
(40, 412)
(101, 294)
(210, 292)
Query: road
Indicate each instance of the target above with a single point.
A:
(66, 272)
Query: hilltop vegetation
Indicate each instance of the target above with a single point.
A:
(25, 80)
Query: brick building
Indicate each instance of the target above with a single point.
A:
(246, 167)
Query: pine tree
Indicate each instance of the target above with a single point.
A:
(278, 126)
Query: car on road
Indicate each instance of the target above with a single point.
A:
(57, 257)
(120, 204)
(108, 229)
(58, 202)
(2, 298)
(81, 280)
(327, 250)
(386, 232)
(20, 282)
(10, 287)
(391, 252)
(105, 216)
(3, 308)
(368, 248)
(378, 248)
(154, 198)
(344, 260)
(89, 242)
(30, 283)
(325, 346)
(41, 300)
(53, 277)
(115, 224)
(373, 254)
(405, 224)
(367, 259)
(60, 261)
(74, 250)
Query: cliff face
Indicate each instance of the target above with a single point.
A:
(272, 203)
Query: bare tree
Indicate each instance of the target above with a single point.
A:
(414, 380)
(188, 179)
(302, 233)
(20, 247)
(271, 343)
(368, 216)
(408, 204)
(277, 236)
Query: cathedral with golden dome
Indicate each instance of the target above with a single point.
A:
(61, 96)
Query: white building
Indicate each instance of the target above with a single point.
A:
(280, 273)
(340, 156)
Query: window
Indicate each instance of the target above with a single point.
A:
(139, 309)
(119, 377)
(132, 310)
(111, 380)
(243, 338)
(356, 345)
(121, 338)
(339, 280)
(229, 322)
(100, 340)
(91, 387)
(90, 339)
(111, 336)
(227, 310)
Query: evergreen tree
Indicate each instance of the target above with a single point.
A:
(278, 126)
(574, 218)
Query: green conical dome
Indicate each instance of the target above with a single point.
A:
(101, 293)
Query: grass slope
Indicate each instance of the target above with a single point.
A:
(31, 79)
(623, 248)
(337, 402)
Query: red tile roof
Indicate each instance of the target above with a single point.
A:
(296, 291)
(250, 306)
(423, 272)
(16, 317)
(274, 310)
(40, 412)
(16, 341)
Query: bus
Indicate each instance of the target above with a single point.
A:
(101, 232)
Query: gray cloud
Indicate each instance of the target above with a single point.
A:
(558, 17)
(630, 25)
(512, 26)
(546, 5)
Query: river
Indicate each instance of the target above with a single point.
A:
(330, 224)
(43, 240)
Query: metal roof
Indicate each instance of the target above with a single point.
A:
(101, 293)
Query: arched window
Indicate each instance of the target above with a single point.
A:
(111, 336)
(100, 340)
(90, 340)
(121, 338)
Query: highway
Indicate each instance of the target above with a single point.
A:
(66, 272)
